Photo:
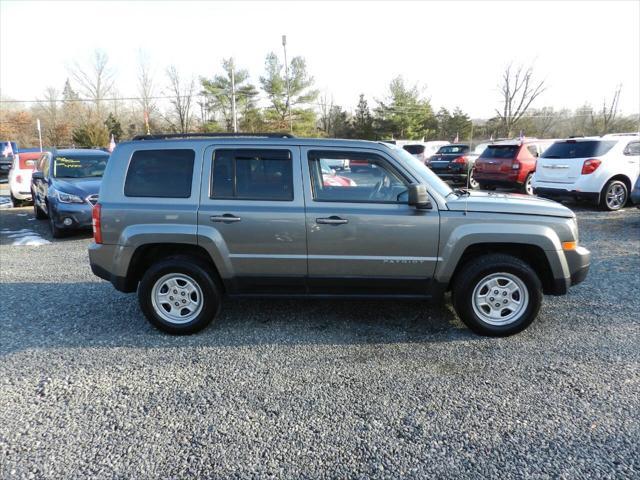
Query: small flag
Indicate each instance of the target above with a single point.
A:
(457, 139)
(112, 144)
(38, 124)
(521, 137)
(491, 138)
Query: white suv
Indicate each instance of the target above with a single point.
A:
(599, 169)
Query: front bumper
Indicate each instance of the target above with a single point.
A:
(578, 262)
(78, 213)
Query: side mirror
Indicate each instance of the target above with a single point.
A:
(419, 198)
(37, 175)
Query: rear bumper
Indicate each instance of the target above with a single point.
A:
(102, 259)
(499, 180)
(559, 193)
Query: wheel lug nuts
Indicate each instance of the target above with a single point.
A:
(497, 305)
(177, 304)
(491, 299)
(495, 291)
(504, 301)
(170, 298)
(182, 293)
(175, 291)
(504, 294)
(184, 301)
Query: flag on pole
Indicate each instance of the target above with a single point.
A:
(521, 137)
(457, 139)
(112, 144)
(491, 138)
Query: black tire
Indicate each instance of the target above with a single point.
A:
(200, 274)
(473, 184)
(475, 271)
(485, 186)
(605, 204)
(37, 211)
(55, 231)
(15, 203)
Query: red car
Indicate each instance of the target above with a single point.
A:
(509, 164)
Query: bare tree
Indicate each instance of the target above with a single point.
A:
(518, 90)
(95, 80)
(146, 88)
(603, 121)
(56, 129)
(181, 98)
(326, 107)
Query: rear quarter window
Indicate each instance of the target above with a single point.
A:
(573, 149)
(160, 173)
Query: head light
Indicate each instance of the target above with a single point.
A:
(68, 197)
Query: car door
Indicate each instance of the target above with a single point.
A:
(252, 209)
(362, 236)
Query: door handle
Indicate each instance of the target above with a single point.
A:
(332, 220)
(226, 218)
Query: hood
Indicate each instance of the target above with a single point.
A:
(512, 203)
(83, 187)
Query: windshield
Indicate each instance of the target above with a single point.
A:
(422, 171)
(573, 149)
(79, 166)
(453, 149)
(500, 151)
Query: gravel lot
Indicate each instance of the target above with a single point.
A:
(314, 388)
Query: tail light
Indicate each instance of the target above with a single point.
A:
(590, 165)
(19, 178)
(97, 226)
(461, 159)
(515, 165)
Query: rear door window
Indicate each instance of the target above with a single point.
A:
(252, 174)
(578, 149)
(160, 173)
(414, 149)
(500, 151)
(632, 149)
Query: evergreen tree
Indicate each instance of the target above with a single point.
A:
(113, 127)
(363, 121)
(403, 114)
(274, 84)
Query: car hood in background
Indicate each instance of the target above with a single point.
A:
(512, 203)
(83, 187)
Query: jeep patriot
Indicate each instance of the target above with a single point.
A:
(187, 219)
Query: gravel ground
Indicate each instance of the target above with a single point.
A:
(315, 388)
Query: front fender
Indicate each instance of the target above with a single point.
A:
(453, 246)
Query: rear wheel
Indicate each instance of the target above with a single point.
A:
(473, 183)
(497, 295)
(178, 295)
(614, 195)
(14, 201)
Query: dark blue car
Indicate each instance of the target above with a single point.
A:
(635, 193)
(65, 187)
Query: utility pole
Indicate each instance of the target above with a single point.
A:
(234, 115)
(286, 72)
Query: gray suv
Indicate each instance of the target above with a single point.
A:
(185, 220)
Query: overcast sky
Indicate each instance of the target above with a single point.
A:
(455, 50)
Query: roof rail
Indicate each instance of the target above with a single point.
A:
(167, 136)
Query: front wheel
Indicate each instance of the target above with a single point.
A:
(37, 211)
(497, 295)
(527, 188)
(178, 295)
(614, 196)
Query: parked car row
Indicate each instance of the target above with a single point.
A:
(602, 170)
